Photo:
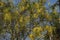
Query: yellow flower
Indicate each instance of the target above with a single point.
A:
(39, 10)
(55, 12)
(16, 12)
(7, 16)
(23, 0)
(27, 19)
(36, 5)
(37, 29)
(49, 29)
(21, 19)
(48, 17)
(35, 15)
(26, 6)
(22, 8)
(31, 36)
(1, 4)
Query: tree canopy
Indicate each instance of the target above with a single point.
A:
(29, 19)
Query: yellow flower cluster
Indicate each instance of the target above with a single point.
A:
(50, 29)
(23, 0)
(35, 15)
(27, 19)
(38, 10)
(36, 5)
(26, 13)
(16, 12)
(22, 8)
(55, 12)
(26, 6)
(31, 36)
(48, 17)
(21, 19)
(1, 4)
(37, 31)
(7, 16)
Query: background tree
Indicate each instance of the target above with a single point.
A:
(29, 19)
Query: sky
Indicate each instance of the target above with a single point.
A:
(51, 2)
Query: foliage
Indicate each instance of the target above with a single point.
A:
(28, 19)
